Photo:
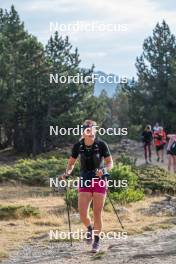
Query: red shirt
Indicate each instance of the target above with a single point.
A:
(159, 138)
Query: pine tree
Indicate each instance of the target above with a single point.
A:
(12, 34)
(149, 96)
(67, 101)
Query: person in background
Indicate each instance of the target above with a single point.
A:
(156, 127)
(171, 152)
(159, 142)
(147, 138)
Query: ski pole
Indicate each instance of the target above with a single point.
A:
(106, 176)
(67, 199)
(115, 211)
(68, 214)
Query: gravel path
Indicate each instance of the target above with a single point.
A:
(148, 248)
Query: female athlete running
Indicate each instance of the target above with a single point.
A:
(95, 161)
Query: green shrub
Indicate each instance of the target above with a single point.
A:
(17, 211)
(127, 196)
(156, 178)
(120, 173)
(73, 198)
(33, 172)
(126, 160)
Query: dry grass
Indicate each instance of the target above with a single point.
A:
(53, 216)
(135, 222)
(14, 232)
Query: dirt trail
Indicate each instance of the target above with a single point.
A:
(139, 153)
(148, 248)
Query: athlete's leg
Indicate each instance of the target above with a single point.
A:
(150, 152)
(157, 153)
(162, 154)
(174, 162)
(169, 162)
(84, 200)
(145, 151)
(98, 203)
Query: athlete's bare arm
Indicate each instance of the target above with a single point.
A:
(108, 163)
(70, 165)
(108, 166)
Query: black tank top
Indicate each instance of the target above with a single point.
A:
(91, 157)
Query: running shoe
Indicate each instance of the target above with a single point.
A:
(89, 235)
(96, 247)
